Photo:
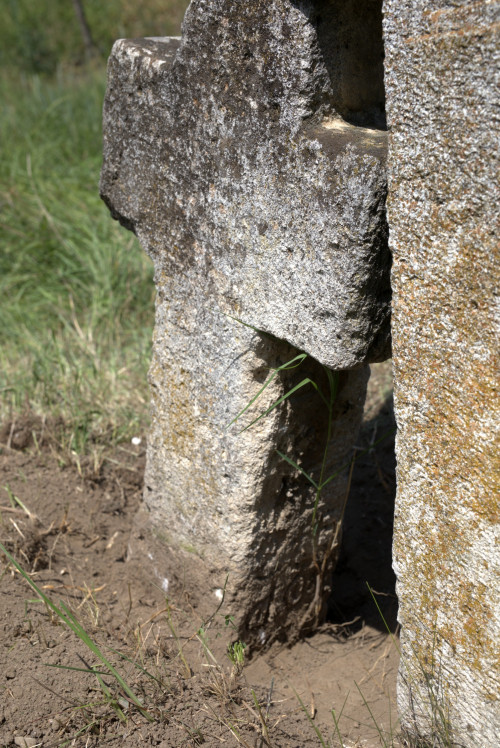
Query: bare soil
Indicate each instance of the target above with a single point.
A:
(72, 537)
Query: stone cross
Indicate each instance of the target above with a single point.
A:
(249, 158)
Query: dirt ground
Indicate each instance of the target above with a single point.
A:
(69, 529)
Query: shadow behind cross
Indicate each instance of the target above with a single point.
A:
(366, 551)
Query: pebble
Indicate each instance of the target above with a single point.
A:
(25, 742)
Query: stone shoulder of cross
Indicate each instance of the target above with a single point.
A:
(279, 211)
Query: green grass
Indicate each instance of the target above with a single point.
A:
(41, 35)
(76, 290)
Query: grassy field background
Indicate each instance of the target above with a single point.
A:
(76, 290)
(41, 36)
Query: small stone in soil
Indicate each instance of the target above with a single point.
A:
(25, 742)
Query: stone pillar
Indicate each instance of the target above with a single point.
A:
(443, 207)
(253, 172)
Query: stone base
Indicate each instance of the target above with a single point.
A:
(223, 503)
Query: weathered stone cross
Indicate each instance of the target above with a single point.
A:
(240, 156)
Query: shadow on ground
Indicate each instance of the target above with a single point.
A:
(366, 553)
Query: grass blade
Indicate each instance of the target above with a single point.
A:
(288, 394)
(284, 367)
(314, 726)
(109, 696)
(261, 716)
(136, 665)
(336, 720)
(358, 453)
(381, 736)
(65, 615)
(297, 467)
(333, 382)
(90, 670)
(387, 627)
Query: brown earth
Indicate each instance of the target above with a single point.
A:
(69, 528)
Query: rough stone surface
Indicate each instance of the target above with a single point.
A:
(229, 159)
(443, 208)
(227, 496)
(252, 169)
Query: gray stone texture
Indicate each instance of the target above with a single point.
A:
(442, 83)
(249, 160)
(228, 159)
